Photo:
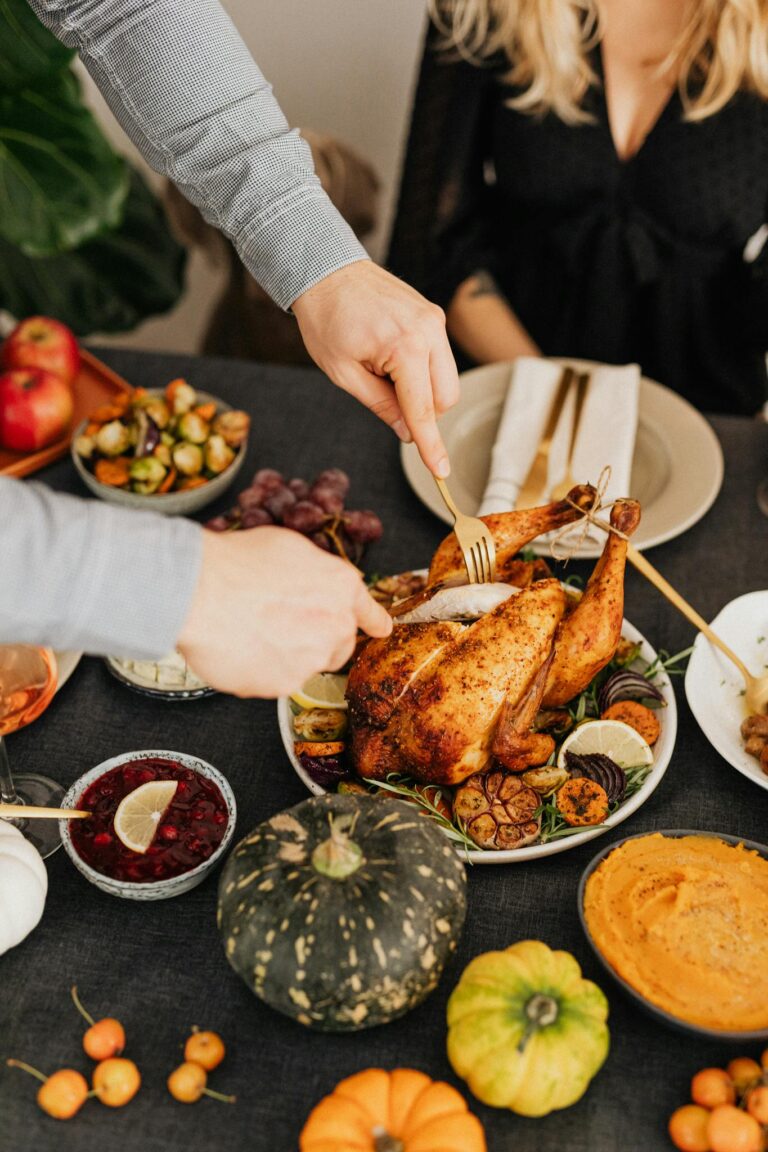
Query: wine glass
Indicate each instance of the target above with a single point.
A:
(27, 685)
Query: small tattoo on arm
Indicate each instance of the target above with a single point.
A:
(483, 284)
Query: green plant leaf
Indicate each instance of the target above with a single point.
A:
(60, 181)
(108, 285)
(27, 49)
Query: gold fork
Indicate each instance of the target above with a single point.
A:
(561, 490)
(533, 488)
(475, 541)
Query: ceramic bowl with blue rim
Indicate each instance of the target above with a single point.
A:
(149, 889)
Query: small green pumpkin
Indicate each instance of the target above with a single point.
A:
(525, 1029)
(342, 911)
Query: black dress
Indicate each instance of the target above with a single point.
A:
(637, 260)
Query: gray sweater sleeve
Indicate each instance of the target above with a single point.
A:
(183, 85)
(82, 574)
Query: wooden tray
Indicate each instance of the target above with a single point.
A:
(95, 384)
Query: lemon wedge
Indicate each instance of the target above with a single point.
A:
(140, 812)
(325, 690)
(613, 738)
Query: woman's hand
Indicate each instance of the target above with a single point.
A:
(271, 609)
(385, 344)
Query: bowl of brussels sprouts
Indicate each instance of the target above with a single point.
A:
(174, 449)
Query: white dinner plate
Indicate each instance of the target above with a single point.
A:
(662, 754)
(714, 688)
(66, 662)
(677, 467)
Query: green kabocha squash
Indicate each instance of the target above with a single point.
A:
(342, 911)
(526, 1030)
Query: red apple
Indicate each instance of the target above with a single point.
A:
(39, 342)
(35, 409)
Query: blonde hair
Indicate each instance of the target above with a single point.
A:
(723, 48)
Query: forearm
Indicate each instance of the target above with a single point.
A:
(82, 574)
(182, 84)
(482, 323)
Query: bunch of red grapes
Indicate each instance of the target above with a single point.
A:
(316, 510)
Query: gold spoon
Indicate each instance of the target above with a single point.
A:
(29, 811)
(756, 694)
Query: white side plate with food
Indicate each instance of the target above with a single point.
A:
(714, 688)
(167, 679)
(677, 468)
(662, 755)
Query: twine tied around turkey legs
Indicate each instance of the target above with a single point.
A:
(564, 553)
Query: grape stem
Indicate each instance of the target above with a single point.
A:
(78, 1004)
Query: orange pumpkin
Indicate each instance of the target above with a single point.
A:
(398, 1111)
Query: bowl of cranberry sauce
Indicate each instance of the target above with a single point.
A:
(192, 834)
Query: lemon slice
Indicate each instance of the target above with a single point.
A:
(613, 738)
(325, 690)
(139, 813)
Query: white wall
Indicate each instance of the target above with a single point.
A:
(345, 67)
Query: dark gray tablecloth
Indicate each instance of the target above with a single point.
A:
(160, 967)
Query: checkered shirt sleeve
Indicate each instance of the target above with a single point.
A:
(183, 85)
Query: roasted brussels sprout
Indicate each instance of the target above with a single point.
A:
(320, 724)
(163, 453)
(233, 426)
(218, 454)
(355, 788)
(193, 428)
(181, 397)
(147, 474)
(546, 780)
(85, 446)
(113, 439)
(188, 459)
(158, 411)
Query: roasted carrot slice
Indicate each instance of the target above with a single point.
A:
(115, 472)
(169, 480)
(190, 482)
(206, 411)
(582, 802)
(637, 715)
(318, 748)
(105, 413)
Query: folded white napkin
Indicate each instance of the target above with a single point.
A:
(605, 436)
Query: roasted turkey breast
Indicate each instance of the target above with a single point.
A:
(442, 726)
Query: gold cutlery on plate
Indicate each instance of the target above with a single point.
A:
(561, 490)
(534, 487)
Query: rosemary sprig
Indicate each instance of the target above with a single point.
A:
(666, 663)
(452, 828)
